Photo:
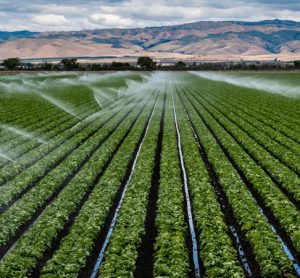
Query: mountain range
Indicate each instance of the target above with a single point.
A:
(216, 40)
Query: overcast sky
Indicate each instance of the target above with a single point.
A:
(49, 15)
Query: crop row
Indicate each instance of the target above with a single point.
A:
(270, 257)
(277, 116)
(34, 121)
(23, 209)
(265, 125)
(171, 256)
(19, 144)
(16, 111)
(30, 176)
(283, 210)
(285, 155)
(281, 174)
(58, 147)
(65, 203)
(285, 108)
(281, 105)
(28, 116)
(42, 129)
(37, 127)
(262, 105)
(122, 252)
(217, 261)
(80, 246)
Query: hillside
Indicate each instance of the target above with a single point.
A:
(226, 39)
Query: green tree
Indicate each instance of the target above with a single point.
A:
(297, 64)
(120, 65)
(180, 64)
(46, 66)
(70, 63)
(146, 63)
(11, 63)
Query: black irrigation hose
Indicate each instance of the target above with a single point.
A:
(252, 137)
(242, 246)
(56, 243)
(96, 256)
(280, 233)
(192, 243)
(23, 228)
(289, 195)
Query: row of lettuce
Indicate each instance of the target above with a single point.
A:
(38, 117)
(284, 211)
(83, 197)
(276, 159)
(64, 146)
(239, 145)
(80, 151)
(31, 168)
(171, 256)
(122, 249)
(37, 239)
(24, 148)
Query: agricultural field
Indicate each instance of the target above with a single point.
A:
(185, 174)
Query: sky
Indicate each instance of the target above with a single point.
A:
(67, 15)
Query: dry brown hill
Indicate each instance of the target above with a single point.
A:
(270, 38)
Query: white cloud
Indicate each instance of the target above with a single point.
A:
(111, 20)
(66, 15)
(50, 20)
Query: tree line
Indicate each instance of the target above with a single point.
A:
(146, 63)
